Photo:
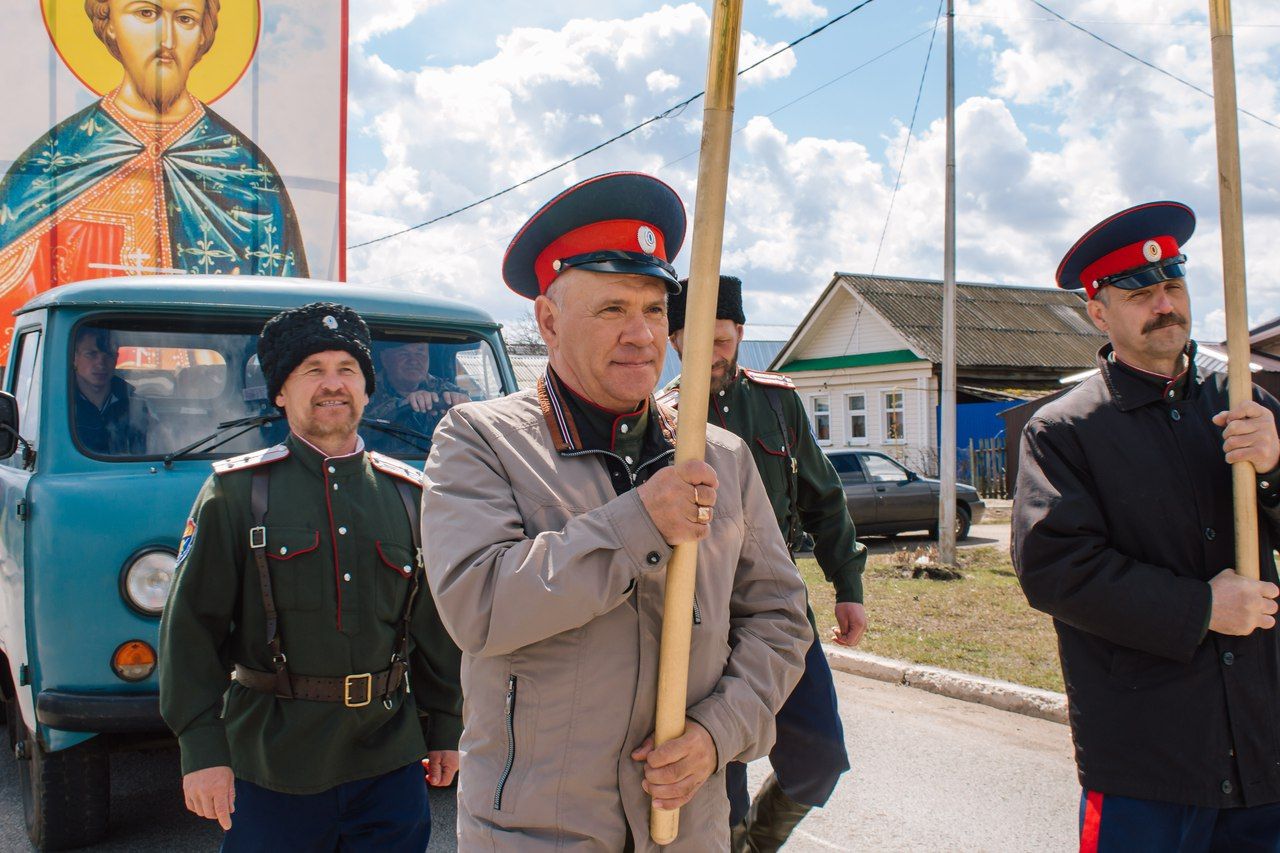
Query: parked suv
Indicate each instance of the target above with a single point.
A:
(885, 498)
(93, 502)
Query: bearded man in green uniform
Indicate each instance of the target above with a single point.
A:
(764, 410)
(300, 570)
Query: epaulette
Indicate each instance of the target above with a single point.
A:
(669, 398)
(764, 377)
(251, 460)
(395, 468)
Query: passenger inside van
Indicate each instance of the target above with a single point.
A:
(110, 419)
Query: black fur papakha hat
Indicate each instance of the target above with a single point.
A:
(293, 335)
(728, 303)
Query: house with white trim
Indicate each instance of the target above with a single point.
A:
(866, 359)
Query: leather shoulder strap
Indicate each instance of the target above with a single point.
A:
(259, 497)
(792, 533)
(400, 653)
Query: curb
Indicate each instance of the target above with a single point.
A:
(1004, 695)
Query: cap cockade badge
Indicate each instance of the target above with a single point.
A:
(647, 239)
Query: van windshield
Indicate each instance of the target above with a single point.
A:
(145, 389)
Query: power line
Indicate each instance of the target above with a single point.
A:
(692, 152)
(856, 68)
(815, 90)
(906, 146)
(1145, 62)
(674, 109)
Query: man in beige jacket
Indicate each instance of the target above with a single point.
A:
(548, 520)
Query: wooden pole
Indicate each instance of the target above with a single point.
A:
(1239, 381)
(695, 376)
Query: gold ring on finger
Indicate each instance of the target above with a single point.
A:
(704, 514)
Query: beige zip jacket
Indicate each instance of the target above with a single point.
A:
(552, 585)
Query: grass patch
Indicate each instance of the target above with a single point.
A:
(980, 624)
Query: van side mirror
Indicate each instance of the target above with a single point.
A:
(8, 425)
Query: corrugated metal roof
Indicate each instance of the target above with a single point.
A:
(996, 325)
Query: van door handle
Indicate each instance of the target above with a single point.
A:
(879, 488)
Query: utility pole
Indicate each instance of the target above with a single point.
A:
(947, 397)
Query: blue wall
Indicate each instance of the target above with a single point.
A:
(976, 421)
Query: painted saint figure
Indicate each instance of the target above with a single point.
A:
(147, 179)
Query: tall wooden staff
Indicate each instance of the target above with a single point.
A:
(1239, 382)
(695, 378)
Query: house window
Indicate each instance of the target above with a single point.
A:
(822, 419)
(895, 427)
(856, 427)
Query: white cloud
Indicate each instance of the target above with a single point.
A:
(449, 135)
(1123, 133)
(1071, 132)
(374, 18)
(799, 9)
(660, 81)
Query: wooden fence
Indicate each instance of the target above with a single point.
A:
(985, 464)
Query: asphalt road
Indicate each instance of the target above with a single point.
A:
(933, 774)
(930, 773)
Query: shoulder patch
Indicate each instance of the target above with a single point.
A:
(395, 468)
(188, 536)
(764, 377)
(251, 460)
(669, 398)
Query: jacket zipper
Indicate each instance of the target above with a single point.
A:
(697, 612)
(510, 719)
(633, 473)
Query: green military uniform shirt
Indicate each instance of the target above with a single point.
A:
(340, 551)
(819, 504)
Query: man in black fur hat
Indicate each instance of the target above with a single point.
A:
(764, 410)
(301, 570)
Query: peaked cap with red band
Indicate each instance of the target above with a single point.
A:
(620, 222)
(1132, 249)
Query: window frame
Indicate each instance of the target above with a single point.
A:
(245, 324)
(886, 411)
(28, 414)
(850, 439)
(814, 414)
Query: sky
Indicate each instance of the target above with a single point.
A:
(1054, 130)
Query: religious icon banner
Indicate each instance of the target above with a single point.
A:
(170, 137)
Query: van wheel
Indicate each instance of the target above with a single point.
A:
(66, 795)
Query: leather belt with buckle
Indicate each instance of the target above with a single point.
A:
(353, 691)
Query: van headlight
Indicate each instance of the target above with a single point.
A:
(146, 579)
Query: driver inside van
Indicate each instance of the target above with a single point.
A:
(110, 418)
(408, 394)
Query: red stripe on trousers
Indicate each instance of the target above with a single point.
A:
(1092, 822)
